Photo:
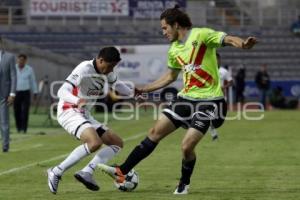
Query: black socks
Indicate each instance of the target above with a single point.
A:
(187, 170)
(137, 154)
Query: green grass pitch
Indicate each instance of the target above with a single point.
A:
(256, 160)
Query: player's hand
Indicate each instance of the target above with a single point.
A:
(10, 100)
(138, 95)
(249, 43)
(137, 91)
(81, 103)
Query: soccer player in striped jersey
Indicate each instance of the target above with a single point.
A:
(199, 104)
(76, 97)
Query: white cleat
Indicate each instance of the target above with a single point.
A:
(113, 172)
(182, 189)
(53, 181)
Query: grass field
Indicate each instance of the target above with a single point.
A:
(251, 160)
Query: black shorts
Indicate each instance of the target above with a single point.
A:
(196, 114)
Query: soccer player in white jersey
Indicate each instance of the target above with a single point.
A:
(226, 82)
(76, 97)
(226, 78)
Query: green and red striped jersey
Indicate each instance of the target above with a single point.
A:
(196, 57)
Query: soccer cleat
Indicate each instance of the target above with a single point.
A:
(182, 188)
(53, 180)
(113, 172)
(215, 137)
(86, 179)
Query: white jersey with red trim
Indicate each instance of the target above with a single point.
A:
(87, 84)
(224, 75)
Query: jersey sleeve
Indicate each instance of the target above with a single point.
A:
(228, 76)
(75, 77)
(212, 38)
(172, 62)
(112, 78)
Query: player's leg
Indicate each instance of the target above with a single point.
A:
(114, 145)
(162, 128)
(213, 114)
(77, 124)
(91, 142)
(189, 142)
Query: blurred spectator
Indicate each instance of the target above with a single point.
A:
(262, 80)
(295, 28)
(240, 85)
(277, 100)
(25, 83)
(225, 77)
(8, 80)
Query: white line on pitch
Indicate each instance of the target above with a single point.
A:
(56, 158)
(26, 148)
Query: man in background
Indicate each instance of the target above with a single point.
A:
(26, 83)
(262, 80)
(240, 85)
(226, 78)
(8, 81)
(226, 82)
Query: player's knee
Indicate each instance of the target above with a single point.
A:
(94, 145)
(186, 150)
(119, 142)
(116, 141)
(154, 135)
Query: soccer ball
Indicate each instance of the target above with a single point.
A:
(130, 183)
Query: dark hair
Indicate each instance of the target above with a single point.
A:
(173, 15)
(218, 55)
(22, 56)
(109, 54)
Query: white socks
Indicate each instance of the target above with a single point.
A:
(102, 156)
(76, 155)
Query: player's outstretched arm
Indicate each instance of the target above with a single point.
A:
(123, 89)
(169, 77)
(239, 42)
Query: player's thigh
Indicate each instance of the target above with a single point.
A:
(163, 127)
(74, 122)
(111, 138)
(107, 136)
(89, 135)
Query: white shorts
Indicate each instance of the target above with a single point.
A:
(75, 122)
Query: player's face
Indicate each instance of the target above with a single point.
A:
(169, 31)
(106, 67)
(21, 61)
